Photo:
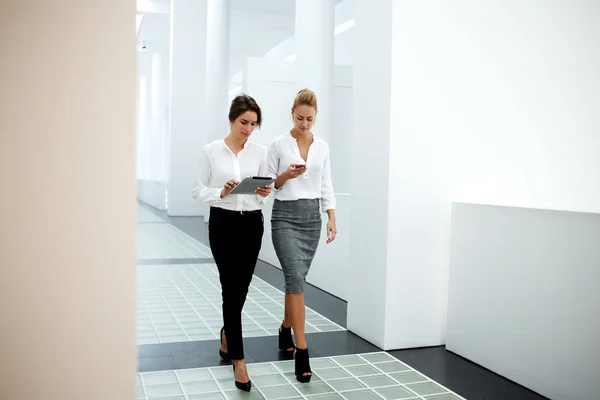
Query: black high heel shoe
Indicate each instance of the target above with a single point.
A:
(286, 342)
(245, 386)
(224, 355)
(302, 366)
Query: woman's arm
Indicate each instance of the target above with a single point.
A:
(200, 189)
(328, 199)
(273, 165)
(262, 194)
(327, 193)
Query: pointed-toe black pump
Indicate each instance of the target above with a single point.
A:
(245, 386)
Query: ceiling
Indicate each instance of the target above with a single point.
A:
(269, 21)
(286, 7)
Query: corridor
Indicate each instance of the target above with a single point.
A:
(179, 318)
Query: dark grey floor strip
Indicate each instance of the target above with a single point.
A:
(462, 376)
(199, 354)
(174, 261)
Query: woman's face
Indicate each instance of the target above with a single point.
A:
(304, 118)
(244, 125)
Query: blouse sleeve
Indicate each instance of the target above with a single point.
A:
(201, 190)
(327, 193)
(263, 170)
(273, 160)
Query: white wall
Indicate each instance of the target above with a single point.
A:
(489, 113)
(344, 11)
(523, 296)
(339, 140)
(152, 125)
(67, 166)
(153, 6)
(271, 83)
(144, 115)
(268, 30)
(153, 193)
(153, 98)
(372, 314)
(188, 103)
(474, 102)
(511, 97)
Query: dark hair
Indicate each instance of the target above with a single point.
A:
(241, 104)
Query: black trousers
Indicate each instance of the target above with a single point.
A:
(235, 240)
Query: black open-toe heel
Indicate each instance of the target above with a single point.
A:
(302, 366)
(285, 340)
(245, 386)
(223, 354)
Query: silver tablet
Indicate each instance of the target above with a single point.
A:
(247, 185)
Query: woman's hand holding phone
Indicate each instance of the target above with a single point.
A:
(295, 170)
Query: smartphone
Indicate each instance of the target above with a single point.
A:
(301, 166)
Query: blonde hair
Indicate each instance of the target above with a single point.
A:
(305, 97)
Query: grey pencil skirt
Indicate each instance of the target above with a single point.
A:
(296, 230)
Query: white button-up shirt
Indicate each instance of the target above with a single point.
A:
(218, 165)
(315, 183)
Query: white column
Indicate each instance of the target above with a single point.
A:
(138, 123)
(217, 71)
(367, 298)
(67, 236)
(144, 129)
(159, 117)
(217, 68)
(157, 104)
(188, 102)
(400, 226)
(315, 22)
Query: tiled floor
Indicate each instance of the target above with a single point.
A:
(178, 303)
(351, 377)
(144, 215)
(163, 367)
(164, 241)
(463, 376)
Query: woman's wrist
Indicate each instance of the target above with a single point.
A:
(331, 214)
(281, 179)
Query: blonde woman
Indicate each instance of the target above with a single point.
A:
(303, 189)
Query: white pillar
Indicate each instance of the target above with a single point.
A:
(138, 124)
(157, 103)
(217, 68)
(367, 298)
(315, 22)
(188, 102)
(67, 236)
(144, 129)
(217, 71)
(400, 238)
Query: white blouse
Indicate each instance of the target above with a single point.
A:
(315, 183)
(218, 164)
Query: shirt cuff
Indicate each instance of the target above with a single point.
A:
(326, 207)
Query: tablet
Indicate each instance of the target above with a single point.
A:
(247, 185)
